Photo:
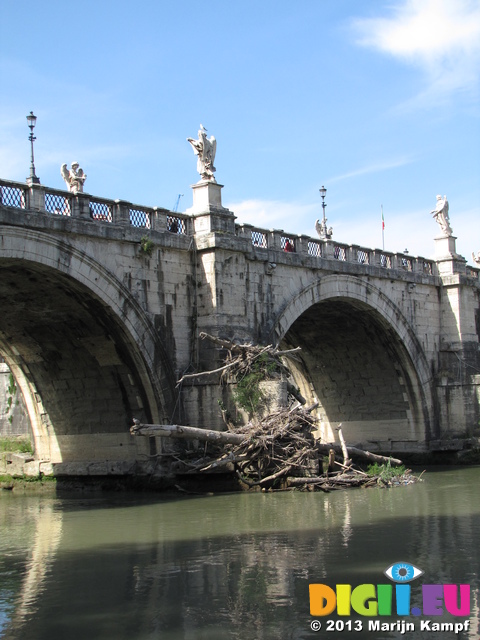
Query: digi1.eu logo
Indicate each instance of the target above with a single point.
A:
(391, 599)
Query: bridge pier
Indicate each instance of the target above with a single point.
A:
(457, 379)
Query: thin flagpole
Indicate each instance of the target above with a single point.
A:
(383, 231)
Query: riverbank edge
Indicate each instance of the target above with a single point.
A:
(197, 483)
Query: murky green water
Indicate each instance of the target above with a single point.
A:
(226, 566)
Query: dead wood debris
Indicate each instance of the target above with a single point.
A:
(241, 358)
(279, 451)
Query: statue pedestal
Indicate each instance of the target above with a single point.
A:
(446, 256)
(445, 247)
(206, 195)
(208, 212)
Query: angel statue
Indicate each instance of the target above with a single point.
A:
(323, 232)
(440, 213)
(74, 178)
(205, 148)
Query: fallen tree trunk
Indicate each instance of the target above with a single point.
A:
(331, 481)
(186, 433)
(274, 476)
(346, 460)
(359, 453)
(227, 437)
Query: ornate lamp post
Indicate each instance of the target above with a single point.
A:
(32, 121)
(323, 232)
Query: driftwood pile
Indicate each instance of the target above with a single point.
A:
(273, 448)
(278, 451)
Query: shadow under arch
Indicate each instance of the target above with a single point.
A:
(361, 360)
(85, 354)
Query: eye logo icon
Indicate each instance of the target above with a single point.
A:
(402, 572)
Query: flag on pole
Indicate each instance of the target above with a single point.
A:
(383, 231)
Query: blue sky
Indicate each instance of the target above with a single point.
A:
(378, 101)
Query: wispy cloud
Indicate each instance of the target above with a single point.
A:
(441, 37)
(373, 168)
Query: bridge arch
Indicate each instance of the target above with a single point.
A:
(361, 360)
(85, 354)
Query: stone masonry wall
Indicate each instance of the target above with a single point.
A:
(253, 300)
(391, 353)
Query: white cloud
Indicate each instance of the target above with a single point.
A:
(414, 230)
(442, 37)
(273, 214)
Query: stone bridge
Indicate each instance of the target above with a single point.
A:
(103, 303)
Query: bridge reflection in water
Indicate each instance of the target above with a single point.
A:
(225, 566)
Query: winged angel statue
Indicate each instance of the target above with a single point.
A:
(74, 178)
(205, 148)
(440, 213)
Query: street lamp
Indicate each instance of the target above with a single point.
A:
(323, 232)
(32, 121)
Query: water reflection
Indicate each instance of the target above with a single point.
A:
(46, 536)
(226, 566)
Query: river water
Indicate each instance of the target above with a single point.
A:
(148, 567)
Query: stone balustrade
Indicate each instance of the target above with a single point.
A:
(119, 212)
(277, 239)
(83, 205)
